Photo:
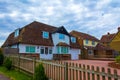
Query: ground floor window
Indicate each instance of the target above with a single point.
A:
(61, 49)
(90, 52)
(30, 49)
(46, 50)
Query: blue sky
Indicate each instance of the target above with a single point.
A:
(96, 17)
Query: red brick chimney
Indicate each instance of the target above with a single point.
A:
(118, 28)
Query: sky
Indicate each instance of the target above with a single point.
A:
(95, 17)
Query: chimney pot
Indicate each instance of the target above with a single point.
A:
(118, 28)
(108, 33)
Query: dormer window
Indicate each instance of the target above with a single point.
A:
(61, 36)
(73, 39)
(45, 34)
(16, 33)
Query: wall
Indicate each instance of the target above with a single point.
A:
(56, 40)
(22, 49)
(89, 43)
(74, 53)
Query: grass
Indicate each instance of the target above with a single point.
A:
(14, 75)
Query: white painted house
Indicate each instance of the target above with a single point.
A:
(43, 39)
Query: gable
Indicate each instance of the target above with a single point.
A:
(117, 37)
(62, 30)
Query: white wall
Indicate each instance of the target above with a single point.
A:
(74, 53)
(22, 49)
(56, 40)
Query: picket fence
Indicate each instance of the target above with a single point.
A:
(63, 70)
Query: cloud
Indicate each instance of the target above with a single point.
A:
(90, 16)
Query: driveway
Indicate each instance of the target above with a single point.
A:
(2, 77)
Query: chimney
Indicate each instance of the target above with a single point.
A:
(108, 33)
(118, 28)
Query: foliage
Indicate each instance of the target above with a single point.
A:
(40, 73)
(8, 63)
(14, 75)
(1, 57)
(117, 59)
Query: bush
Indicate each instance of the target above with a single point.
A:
(1, 57)
(117, 59)
(40, 73)
(8, 63)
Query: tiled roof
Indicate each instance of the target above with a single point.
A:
(32, 34)
(83, 36)
(100, 46)
(107, 38)
(62, 44)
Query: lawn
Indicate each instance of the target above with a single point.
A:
(14, 75)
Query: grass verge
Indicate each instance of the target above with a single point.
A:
(14, 75)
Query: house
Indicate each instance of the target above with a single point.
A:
(47, 41)
(87, 43)
(115, 41)
(106, 39)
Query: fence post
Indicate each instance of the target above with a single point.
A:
(98, 76)
(116, 75)
(18, 62)
(34, 66)
(84, 73)
(66, 70)
(88, 73)
(103, 76)
(93, 75)
(109, 72)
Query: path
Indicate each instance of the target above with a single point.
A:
(2, 77)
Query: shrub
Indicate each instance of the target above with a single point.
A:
(40, 73)
(1, 57)
(8, 63)
(117, 59)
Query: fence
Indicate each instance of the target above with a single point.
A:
(60, 70)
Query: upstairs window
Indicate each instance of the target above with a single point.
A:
(45, 34)
(73, 39)
(61, 36)
(86, 41)
(16, 33)
(93, 42)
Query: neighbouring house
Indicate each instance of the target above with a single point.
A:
(115, 42)
(44, 40)
(87, 43)
(106, 39)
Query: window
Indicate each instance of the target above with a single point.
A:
(42, 50)
(62, 49)
(93, 43)
(73, 39)
(86, 41)
(50, 51)
(46, 50)
(90, 52)
(45, 34)
(16, 33)
(30, 49)
(61, 36)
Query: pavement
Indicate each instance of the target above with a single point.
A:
(3, 77)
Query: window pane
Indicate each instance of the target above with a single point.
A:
(93, 43)
(42, 50)
(86, 41)
(45, 35)
(50, 51)
(61, 36)
(58, 49)
(46, 50)
(27, 48)
(32, 49)
(73, 39)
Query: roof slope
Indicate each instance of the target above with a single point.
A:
(83, 36)
(107, 38)
(32, 34)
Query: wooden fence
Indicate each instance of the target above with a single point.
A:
(61, 70)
